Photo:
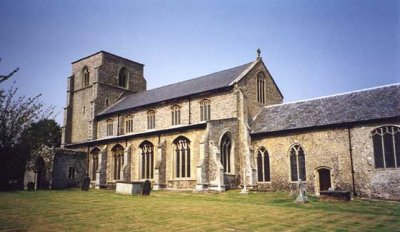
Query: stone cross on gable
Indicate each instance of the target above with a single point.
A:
(258, 53)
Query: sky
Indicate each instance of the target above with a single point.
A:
(312, 48)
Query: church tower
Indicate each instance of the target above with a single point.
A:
(97, 81)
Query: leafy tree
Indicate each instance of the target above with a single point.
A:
(17, 115)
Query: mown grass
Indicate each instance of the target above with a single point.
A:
(97, 210)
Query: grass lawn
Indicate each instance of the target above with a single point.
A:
(185, 211)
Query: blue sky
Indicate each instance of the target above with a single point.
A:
(311, 48)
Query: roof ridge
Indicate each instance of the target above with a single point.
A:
(192, 78)
(334, 95)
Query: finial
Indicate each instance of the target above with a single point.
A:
(258, 53)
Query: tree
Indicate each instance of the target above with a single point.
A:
(17, 114)
(7, 76)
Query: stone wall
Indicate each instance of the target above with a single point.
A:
(223, 106)
(63, 161)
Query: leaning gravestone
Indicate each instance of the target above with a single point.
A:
(146, 188)
(302, 197)
(85, 184)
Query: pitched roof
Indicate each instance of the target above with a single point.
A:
(198, 85)
(370, 104)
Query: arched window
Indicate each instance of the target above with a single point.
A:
(147, 160)
(225, 148)
(123, 78)
(110, 127)
(85, 76)
(205, 110)
(386, 141)
(118, 157)
(129, 124)
(297, 163)
(182, 157)
(94, 164)
(151, 119)
(261, 91)
(176, 115)
(263, 170)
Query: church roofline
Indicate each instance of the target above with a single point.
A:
(107, 53)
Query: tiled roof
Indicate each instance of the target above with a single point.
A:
(370, 104)
(198, 85)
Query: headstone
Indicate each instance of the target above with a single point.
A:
(31, 186)
(85, 184)
(146, 188)
(302, 197)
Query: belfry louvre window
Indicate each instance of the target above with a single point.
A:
(226, 145)
(147, 160)
(297, 163)
(261, 87)
(263, 169)
(118, 156)
(109, 127)
(386, 142)
(123, 78)
(176, 115)
(151, 119)
(85, 77)
(182, 157)
(129, 124)
(205, 110)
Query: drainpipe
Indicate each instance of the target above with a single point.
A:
(351, 161)
(87, 161)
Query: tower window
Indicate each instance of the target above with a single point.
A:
(85, 77)
(123, 78)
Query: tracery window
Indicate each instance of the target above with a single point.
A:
(129, 124)
(297, 163)
(225, 148)
(94, 162)
(123, 77)
(118, 156)
(205, 110)
(182, 157)
(151, 119)
(85, 76)
(261, 90)
(386, 142)
(263, 167)
(175, 115)
(110, 127)
(147, 160)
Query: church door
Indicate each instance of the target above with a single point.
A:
(41, 173)
(324, 179)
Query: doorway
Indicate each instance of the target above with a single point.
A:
(324, 179)
(40, 173)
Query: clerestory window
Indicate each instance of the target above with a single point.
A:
(205, 110)
(175, 115)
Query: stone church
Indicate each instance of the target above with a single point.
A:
(228, 130)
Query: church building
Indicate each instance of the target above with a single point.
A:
(229, 130)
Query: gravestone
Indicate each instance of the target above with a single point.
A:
(146, 188)
(85, 184)
(302, 197)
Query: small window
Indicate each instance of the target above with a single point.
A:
(85, 77)
(123, 78)
(386, 142)
(129, 124)
(71, 173)
(107, 102)
(176, 115)
(110, 128)
(261, 90)
(151, 119)
(205, 110)
(297, 163)
(263, 170)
